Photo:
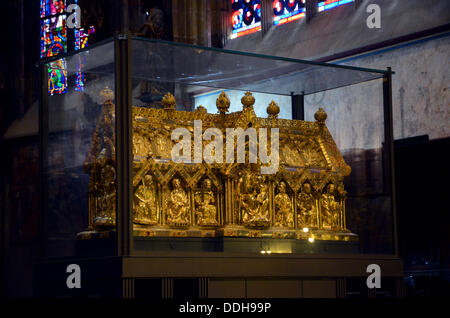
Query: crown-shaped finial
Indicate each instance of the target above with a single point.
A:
(320, 116)
(273, 110)
(223, 103)
(201, 109)
(248, 100)
(106, 95)
(168, 101)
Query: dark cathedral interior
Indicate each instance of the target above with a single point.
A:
(91, 91)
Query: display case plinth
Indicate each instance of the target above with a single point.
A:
(165, 273)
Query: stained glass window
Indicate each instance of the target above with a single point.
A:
(81, 41)
(54, 43)
(57, 77)
(329, 4)
(285, 11)
(245, 17)
(53, 36)
(81, 37)
(52, 7)
(79, 81)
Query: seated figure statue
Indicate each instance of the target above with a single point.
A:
(177, 205)
(255, 201)
(205, 208)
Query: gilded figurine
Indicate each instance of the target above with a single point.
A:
(255, 201)
(248, 202)
(177, 205)
(145, 202)
(240, 197)
(284, 215)
(162, 143)
(106, 202)
(306, 207)
(205, 205)
(263, 199)
(141, 146)
(330, 208)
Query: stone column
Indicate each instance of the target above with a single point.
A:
(200, 22)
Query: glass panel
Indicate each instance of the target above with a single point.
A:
(164, 62)
(326, 194)
(311, 203)
(79, 156)
(355, 120)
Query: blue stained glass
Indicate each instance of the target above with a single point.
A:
(53, 36)
(245, 17)
(330, 4)
(285, 11)
(57, 77)
(52, 7)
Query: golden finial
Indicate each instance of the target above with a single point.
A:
(168, 101)
(320, 116)
(107, 95)
(223, 103)
(248, 100)
(201, 109)
(273, 110)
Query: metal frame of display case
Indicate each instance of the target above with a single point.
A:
(126, 266)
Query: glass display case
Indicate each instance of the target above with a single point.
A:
(169, 147)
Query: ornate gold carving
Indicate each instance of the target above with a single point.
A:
(142, 147)
(106, 216)
(284, 212)
(307, 213)
(248, 100)
(145, 209)
(205, 205)
(177, 205)
(254, 200)
(223, 103)
(273, 110)
(169, 101)
(201, 110)
(321, 116)
(330, 208)
(221, 199)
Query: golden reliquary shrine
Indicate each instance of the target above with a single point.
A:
(303, 199)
